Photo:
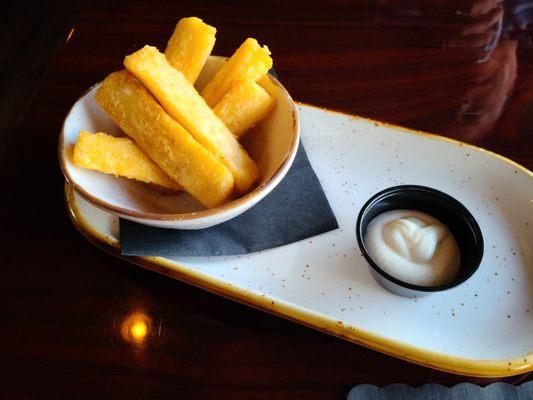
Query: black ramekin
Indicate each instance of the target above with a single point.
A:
(446, 209)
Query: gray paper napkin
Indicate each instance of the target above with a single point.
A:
(295, 210)
(432, 391)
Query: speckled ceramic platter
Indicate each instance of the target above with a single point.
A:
(483, 327)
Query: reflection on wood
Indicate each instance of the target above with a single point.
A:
(29, 38)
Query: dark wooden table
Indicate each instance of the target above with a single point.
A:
(466, 74)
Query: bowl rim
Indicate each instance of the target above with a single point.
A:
(257, 194)
(429, 289)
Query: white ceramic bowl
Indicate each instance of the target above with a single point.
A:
(272, 144)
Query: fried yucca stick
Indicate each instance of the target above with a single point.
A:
(181, 100)
(249, 62)
(119, 157)
(243, 106)
(164, 140)
(190, 45)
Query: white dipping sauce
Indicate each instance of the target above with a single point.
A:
(413, 247)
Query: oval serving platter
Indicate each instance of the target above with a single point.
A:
(481, 328)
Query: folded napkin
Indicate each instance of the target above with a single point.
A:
(295, 210)
(432, 391)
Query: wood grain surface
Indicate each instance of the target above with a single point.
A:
(459, 68)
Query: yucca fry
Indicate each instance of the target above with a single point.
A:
(118, 156)
(183, 103)
(164, 140)
(249, 62)
(243, 106)
(190, 45)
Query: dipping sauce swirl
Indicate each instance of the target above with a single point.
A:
(413, 247)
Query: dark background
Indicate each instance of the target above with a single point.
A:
(458, 68)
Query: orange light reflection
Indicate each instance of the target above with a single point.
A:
(136, 328)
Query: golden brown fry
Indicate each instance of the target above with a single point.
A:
(119, 157)
(164, 140)
(181, 100)
(249, 62)
(190, 45)
(243, 106)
